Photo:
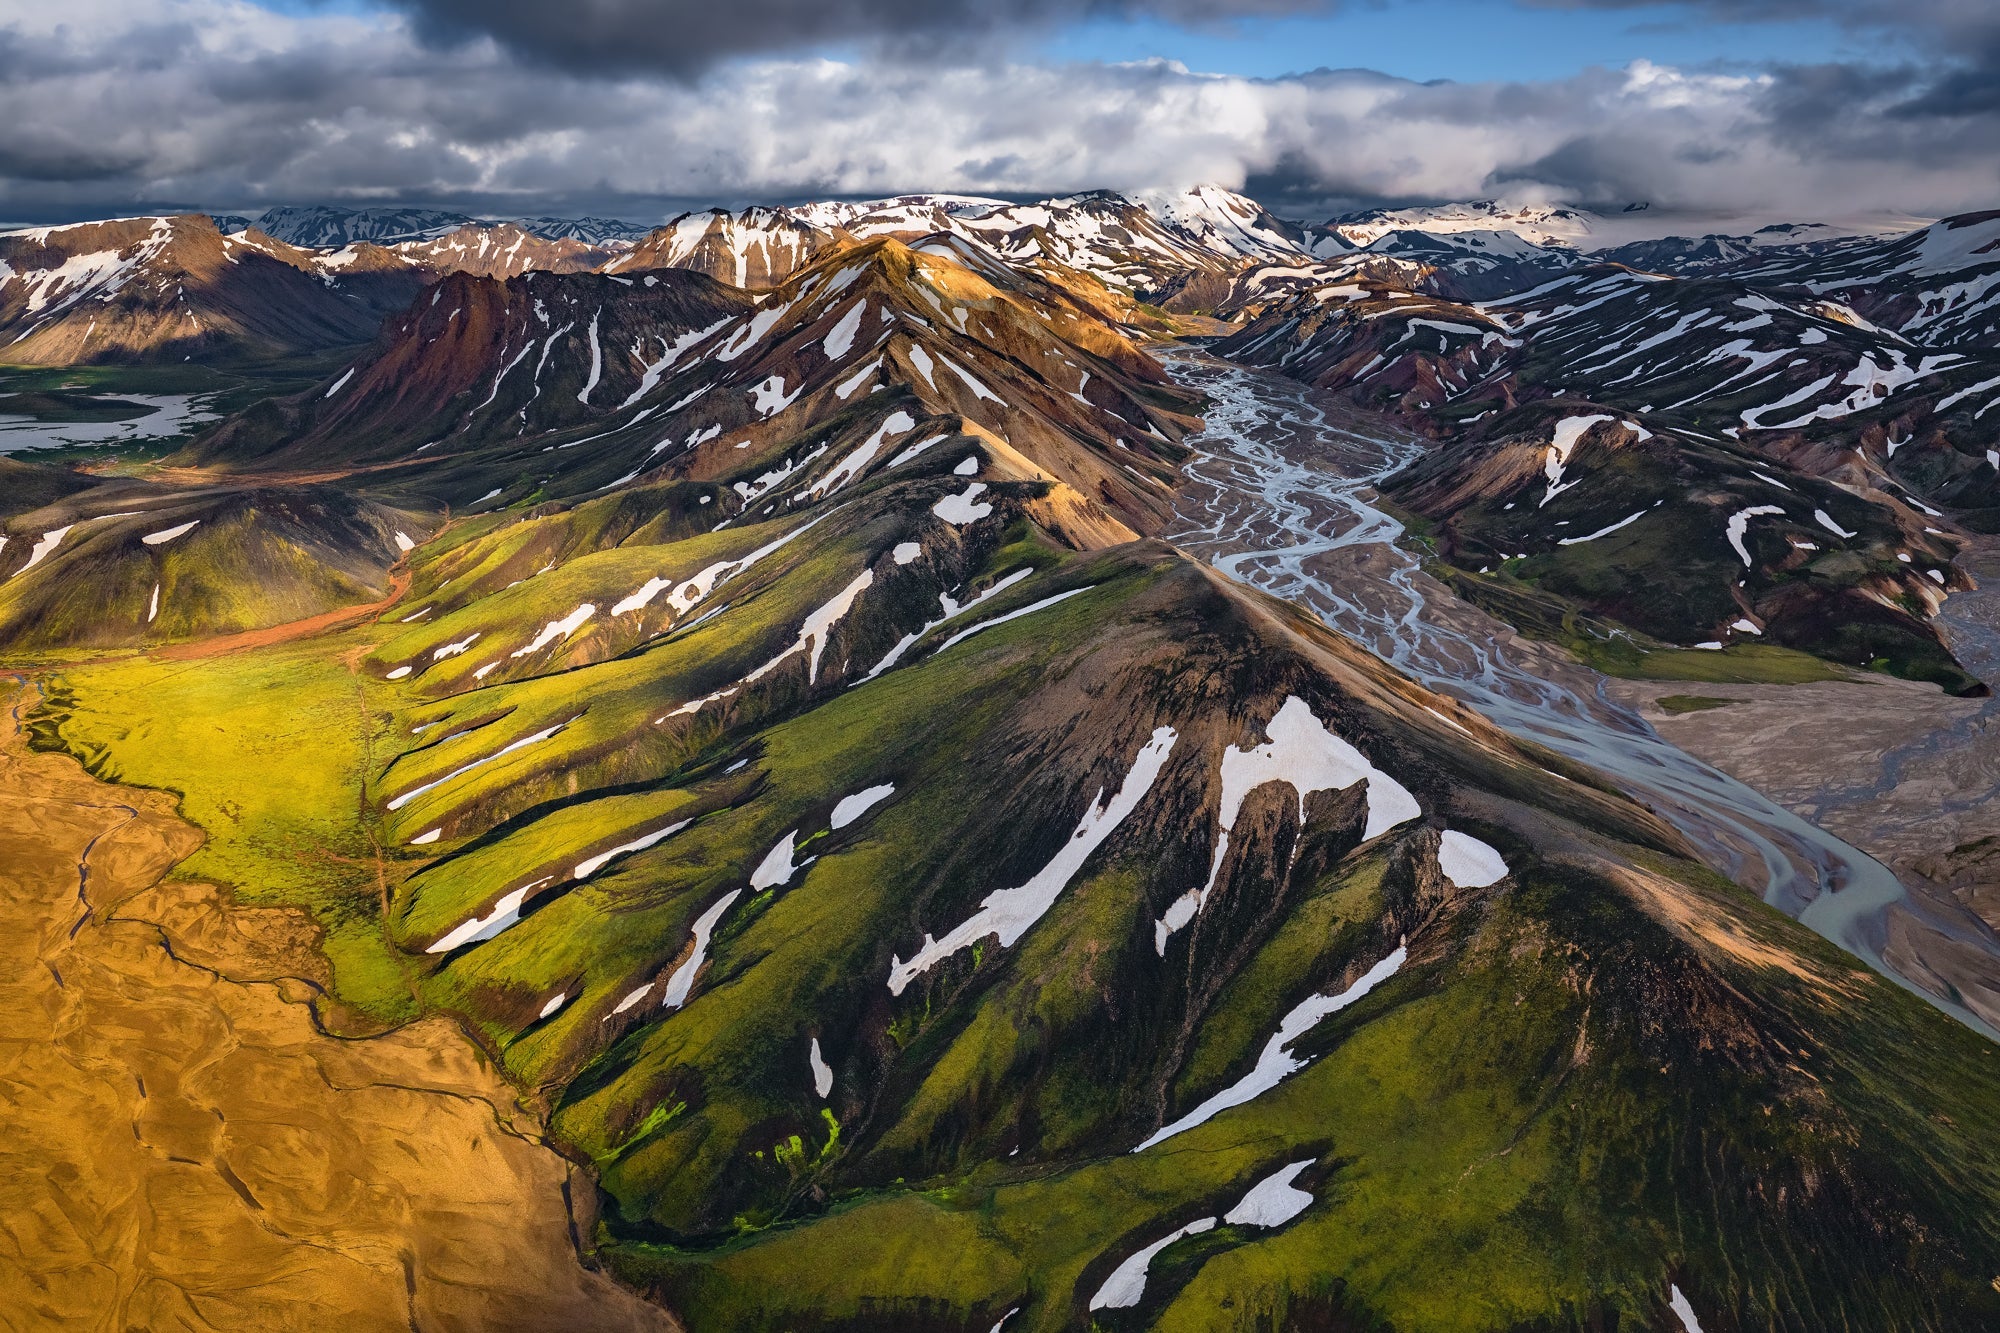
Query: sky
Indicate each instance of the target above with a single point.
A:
(1713, 112)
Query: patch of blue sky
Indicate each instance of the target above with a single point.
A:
(1462, 40)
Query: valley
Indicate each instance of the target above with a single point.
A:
(1286, 505)
(946, 764)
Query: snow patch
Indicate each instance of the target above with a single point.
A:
(853, 807)
(1127, 1283)
(841, 337)
(1567, 433)
(590, 865)
(40, 550)
(1739, 527)
(776, 869)
(1276, 1063)
(1683, 1311)
(959, 510)
(1469, 863)
(1272, 1201)
(1602, 532)
(555, 629)
(1007, 914)
(168, 534)
(822, 1072)
(682, 981)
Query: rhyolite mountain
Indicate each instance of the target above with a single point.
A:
(925, 898)
(1784, 454)
(173, 289)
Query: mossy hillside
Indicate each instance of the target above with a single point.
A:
(520, 967)
(270, 752)
(244, 559)
(1617, 651)
(29, 484)
(1848, 600)
(902, 728)
(1499, 1150)
(1489, 1080)
(523, 573)
(673, 1100)
(618, 715)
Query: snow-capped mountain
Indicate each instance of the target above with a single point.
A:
(1938, 285)
(1151, 246)
(605, 232)
(752, 249)
(1765, 374)
(501, 250)
(175, 289)
(324, 227)
(1224, 222)
(1538, 224)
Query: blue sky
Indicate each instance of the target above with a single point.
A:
(1462, 40)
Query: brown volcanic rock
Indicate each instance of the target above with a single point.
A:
(756, 249)
(170, 289)
(668, 375)
(498, 250)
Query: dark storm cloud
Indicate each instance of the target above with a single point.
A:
(684, 37)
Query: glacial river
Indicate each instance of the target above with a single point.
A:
(1280, 497)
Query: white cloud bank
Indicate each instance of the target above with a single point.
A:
(112, 105)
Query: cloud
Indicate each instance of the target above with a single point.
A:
(684, 37)
(114, 107)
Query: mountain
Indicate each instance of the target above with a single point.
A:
(1692, 254)
(1181, 248)
(603, 232)
(502, 250)
(672, 375)
(1467, 264)
(1542, 225)
(171, 289)
(803, 749)
(323, 227)
(755, 249)
(120, 563)
(1224, 222)
(1938, 285)
(1782, 454)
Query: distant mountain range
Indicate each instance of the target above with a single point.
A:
(324, 227)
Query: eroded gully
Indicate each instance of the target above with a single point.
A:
(1280, 497)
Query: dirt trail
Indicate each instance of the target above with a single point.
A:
(185, 1150)
(399, 583)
